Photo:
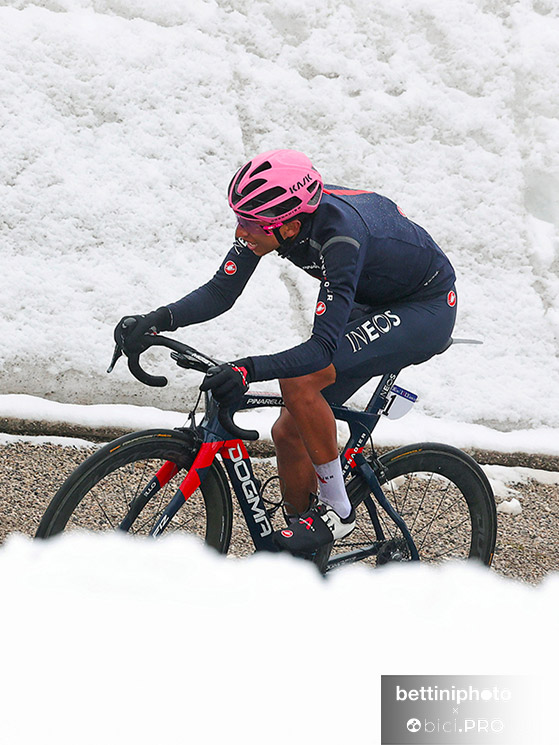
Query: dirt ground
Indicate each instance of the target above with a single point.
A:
(527, 544)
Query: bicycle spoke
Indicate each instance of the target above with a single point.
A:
(105, 513)
(451, 529)
(427, 526)
(435, 516)
(421, 502)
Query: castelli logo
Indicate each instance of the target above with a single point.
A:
(451, 299)
(401, 211)
(320, 308)
(230, 267)
(287, 533)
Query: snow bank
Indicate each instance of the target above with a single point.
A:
(117, 640)
(123, 121)
(414, 427)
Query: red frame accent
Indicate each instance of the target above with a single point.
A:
(166, 473)
(350, 454)
(204, 459)
(228, 444)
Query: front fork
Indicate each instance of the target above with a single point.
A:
(161, 478)
(204, 458)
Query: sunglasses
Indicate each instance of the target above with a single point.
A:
(255, 228)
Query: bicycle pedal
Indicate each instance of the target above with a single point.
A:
(319, 557)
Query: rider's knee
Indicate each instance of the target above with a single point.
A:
(291, 387)
(300, 391)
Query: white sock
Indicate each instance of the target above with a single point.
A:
(331, 487)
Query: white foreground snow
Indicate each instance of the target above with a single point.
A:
(108, 639)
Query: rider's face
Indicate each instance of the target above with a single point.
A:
(260, 243)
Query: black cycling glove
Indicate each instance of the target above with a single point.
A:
(228, 381)
(129, 330)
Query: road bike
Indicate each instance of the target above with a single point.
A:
(426, 501)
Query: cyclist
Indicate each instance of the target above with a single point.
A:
(386, 300)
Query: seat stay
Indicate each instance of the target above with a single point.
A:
(371, 478)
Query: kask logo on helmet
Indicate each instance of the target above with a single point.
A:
(299, 185)
(230, 267)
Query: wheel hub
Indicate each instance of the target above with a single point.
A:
(396, 549)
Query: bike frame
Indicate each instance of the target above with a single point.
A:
(215, 440)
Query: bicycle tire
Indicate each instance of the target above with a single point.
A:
(443, 496)
(99, 493)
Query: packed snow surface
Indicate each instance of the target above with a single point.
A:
(123, 121)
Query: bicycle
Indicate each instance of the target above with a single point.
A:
(425, 501)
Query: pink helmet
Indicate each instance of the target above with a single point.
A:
(274, 187)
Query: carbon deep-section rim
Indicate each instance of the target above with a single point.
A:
(443, 496)
(107, 487)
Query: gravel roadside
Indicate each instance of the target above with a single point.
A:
(527, 543)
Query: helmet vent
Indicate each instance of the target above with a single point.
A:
(261, 199)
(262, 167)
(315, 199)
(281, 209)
(235, 181)
(250, 187)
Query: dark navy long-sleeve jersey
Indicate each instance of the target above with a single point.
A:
(361, 248)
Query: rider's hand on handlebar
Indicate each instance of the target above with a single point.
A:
(228, 381)
(129, 330)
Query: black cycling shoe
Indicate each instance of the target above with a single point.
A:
(291, 515)
(319, 526)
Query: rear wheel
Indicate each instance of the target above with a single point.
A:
(444, 498)
(115, 489)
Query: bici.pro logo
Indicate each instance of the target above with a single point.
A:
(414, 725)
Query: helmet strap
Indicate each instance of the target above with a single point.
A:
(278, 236)
(286, 245)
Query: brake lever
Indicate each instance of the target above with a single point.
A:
(118, 351)
(116, 354)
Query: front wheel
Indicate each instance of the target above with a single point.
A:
(444, 498)
(117, 488)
